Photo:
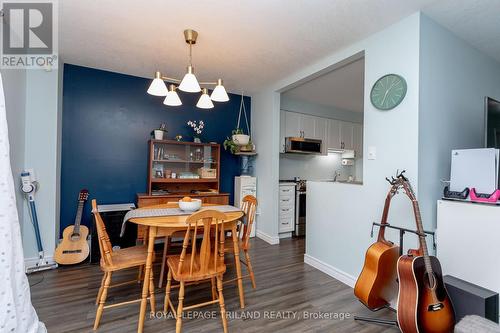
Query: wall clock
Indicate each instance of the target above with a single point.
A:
(388, 92)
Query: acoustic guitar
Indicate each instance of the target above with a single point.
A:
(74, 248)
(423, 305)
(377, 285)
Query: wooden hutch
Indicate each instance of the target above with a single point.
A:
(179, 169)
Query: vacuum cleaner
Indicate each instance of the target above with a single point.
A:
(29, 186)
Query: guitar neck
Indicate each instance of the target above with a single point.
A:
(78, 217)
(385, 214)
(421, 236)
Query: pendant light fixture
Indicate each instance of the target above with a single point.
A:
(172, 99)
(205, 102)
(189, 83)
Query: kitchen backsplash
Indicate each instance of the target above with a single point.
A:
(316, 167)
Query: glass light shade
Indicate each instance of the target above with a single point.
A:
(189, 83)
(219, 94)
(172, 98)
(205, 102)
(157, 87)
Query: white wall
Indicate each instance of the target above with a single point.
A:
(34, 135)
(265, 135)
(338, 231)
(14, 83)
(42, 136)
(339, 236)
(454, 79)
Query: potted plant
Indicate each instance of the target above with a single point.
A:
(240, 138)
(160, 132)
(238, 142)
(231, 145)
(197, 127)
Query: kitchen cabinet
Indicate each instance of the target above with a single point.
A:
(286, 208)
(321, 133)
(334, 141)
(357, 137)
(334, 134)
(307, 125)
(293, 124)
(346, 135)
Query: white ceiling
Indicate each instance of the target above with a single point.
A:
(476, 21)
(247, 43)
(341, 88)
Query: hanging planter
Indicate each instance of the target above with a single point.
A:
(239, 141)
(239, 138)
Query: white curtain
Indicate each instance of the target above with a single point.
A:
(16, 312)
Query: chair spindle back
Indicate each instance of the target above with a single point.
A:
(249, 207)
(208, 221)
(105, 246)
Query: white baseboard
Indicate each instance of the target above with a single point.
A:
(31, 262)
(285, 235)
(267, 238)
(330, 270)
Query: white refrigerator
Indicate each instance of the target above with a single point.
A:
(245, 185)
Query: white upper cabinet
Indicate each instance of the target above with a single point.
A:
(307, 123)
(358, 139)
(321, 133)
(334, 141)
(335, 134)
(293, 124)
(346, 134)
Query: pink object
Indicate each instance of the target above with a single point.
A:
(480, 197)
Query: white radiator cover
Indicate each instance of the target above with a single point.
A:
(468, 242)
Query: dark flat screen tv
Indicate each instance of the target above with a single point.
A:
(492, 123)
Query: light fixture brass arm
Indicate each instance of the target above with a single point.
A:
(171, 79)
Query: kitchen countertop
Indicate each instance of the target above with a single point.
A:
(354, 182)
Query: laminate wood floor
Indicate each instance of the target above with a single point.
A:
(287, 290)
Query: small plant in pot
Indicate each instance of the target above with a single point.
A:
(240, 138)
(238, 142)
(160, 132)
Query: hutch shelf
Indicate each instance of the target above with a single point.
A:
(178, 169)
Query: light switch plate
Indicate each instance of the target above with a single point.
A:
(372, 153)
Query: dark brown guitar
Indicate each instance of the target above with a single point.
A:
(423, 304)
(377, 285)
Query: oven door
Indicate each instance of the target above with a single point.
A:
(300, 214)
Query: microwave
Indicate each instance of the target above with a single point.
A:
(302, 145)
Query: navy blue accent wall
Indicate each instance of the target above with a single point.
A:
(107, 120)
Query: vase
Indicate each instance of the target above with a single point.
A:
(159, 135)
(197, 140)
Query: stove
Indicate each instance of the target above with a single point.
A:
(300, 206)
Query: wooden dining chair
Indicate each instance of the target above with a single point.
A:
(249, 207)
(166, 246)
(203, 264)
(116, 260)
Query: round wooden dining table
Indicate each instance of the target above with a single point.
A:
(167, 226)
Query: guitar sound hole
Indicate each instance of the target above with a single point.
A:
(75, 237)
